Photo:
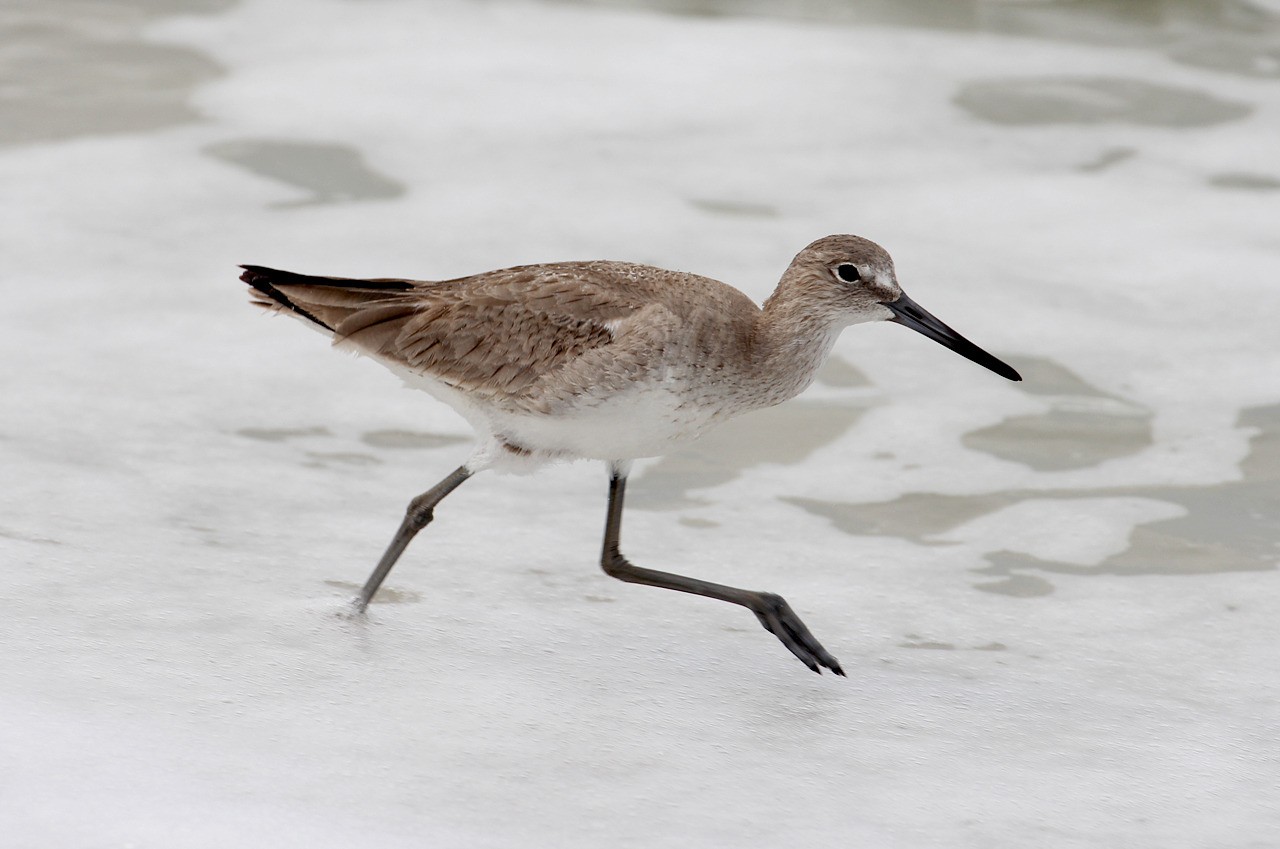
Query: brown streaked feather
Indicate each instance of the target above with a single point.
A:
(326, 301)
(494, 346)
(531, 338)
(494, 335)
(374, 327)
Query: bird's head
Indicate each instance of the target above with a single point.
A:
(849, 280)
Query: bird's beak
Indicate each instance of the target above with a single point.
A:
(910, 314)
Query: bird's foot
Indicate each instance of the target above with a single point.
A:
(779, 619)
(352, 609)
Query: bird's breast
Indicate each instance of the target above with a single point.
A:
(647, 419)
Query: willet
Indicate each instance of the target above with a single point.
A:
(609, 361)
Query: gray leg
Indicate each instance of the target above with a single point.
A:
(417, 517)
(772, 610)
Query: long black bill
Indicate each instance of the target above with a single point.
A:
(910, 314)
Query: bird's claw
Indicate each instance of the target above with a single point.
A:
(779, 619)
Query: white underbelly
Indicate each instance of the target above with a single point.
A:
(645, 421)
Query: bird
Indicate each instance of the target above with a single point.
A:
(609, 361)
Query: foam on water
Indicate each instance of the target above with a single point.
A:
(194, 491)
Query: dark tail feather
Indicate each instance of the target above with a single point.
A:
(285, 278)
(267, 283)
(261, 279)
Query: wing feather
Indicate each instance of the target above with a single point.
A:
(495, 335)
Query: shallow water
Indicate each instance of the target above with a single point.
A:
(1055, 598)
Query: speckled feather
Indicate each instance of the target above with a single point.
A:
(528, 338)
(665, 353)
(607, 360)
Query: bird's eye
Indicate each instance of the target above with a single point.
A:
(848, 273)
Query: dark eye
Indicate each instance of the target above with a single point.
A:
(848, 273)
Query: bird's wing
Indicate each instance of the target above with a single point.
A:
(495, 334)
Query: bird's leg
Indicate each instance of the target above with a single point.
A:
(416, 517)
(772, 610)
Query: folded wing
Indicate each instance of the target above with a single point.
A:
(493, 335)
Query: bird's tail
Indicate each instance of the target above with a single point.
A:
(340, 305)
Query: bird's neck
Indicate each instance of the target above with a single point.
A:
(790, 344)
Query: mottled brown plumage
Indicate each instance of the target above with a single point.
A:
(607, 360)
(526, 338)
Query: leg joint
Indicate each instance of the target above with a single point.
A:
(419, 513)
(614, 564)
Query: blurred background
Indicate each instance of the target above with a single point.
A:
(1055, 599)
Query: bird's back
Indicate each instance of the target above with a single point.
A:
(537, 339)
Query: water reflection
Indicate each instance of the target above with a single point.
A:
(1083, 427)
(735, 208)
(1245, 181)
(1105, 21)
(1230, 36)
(787, 434)
(1227, 527)
(1094, 100)
(75, 68)
(410, 439)
(329, 173)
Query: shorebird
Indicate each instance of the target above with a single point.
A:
(609, 361)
